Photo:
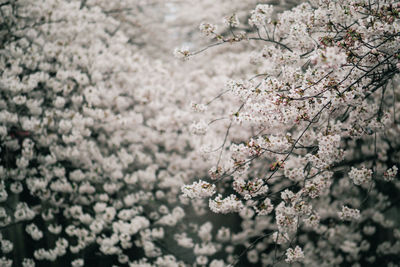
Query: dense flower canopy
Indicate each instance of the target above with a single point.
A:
(271, 141)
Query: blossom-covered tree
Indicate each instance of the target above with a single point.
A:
(308, 136)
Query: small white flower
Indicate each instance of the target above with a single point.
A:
(182, 53)
(390, 173)
(207, 28)
(232, 21)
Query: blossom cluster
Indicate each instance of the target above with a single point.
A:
(199, 189)
(295, 254)
(349, 214)
(362, 176)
